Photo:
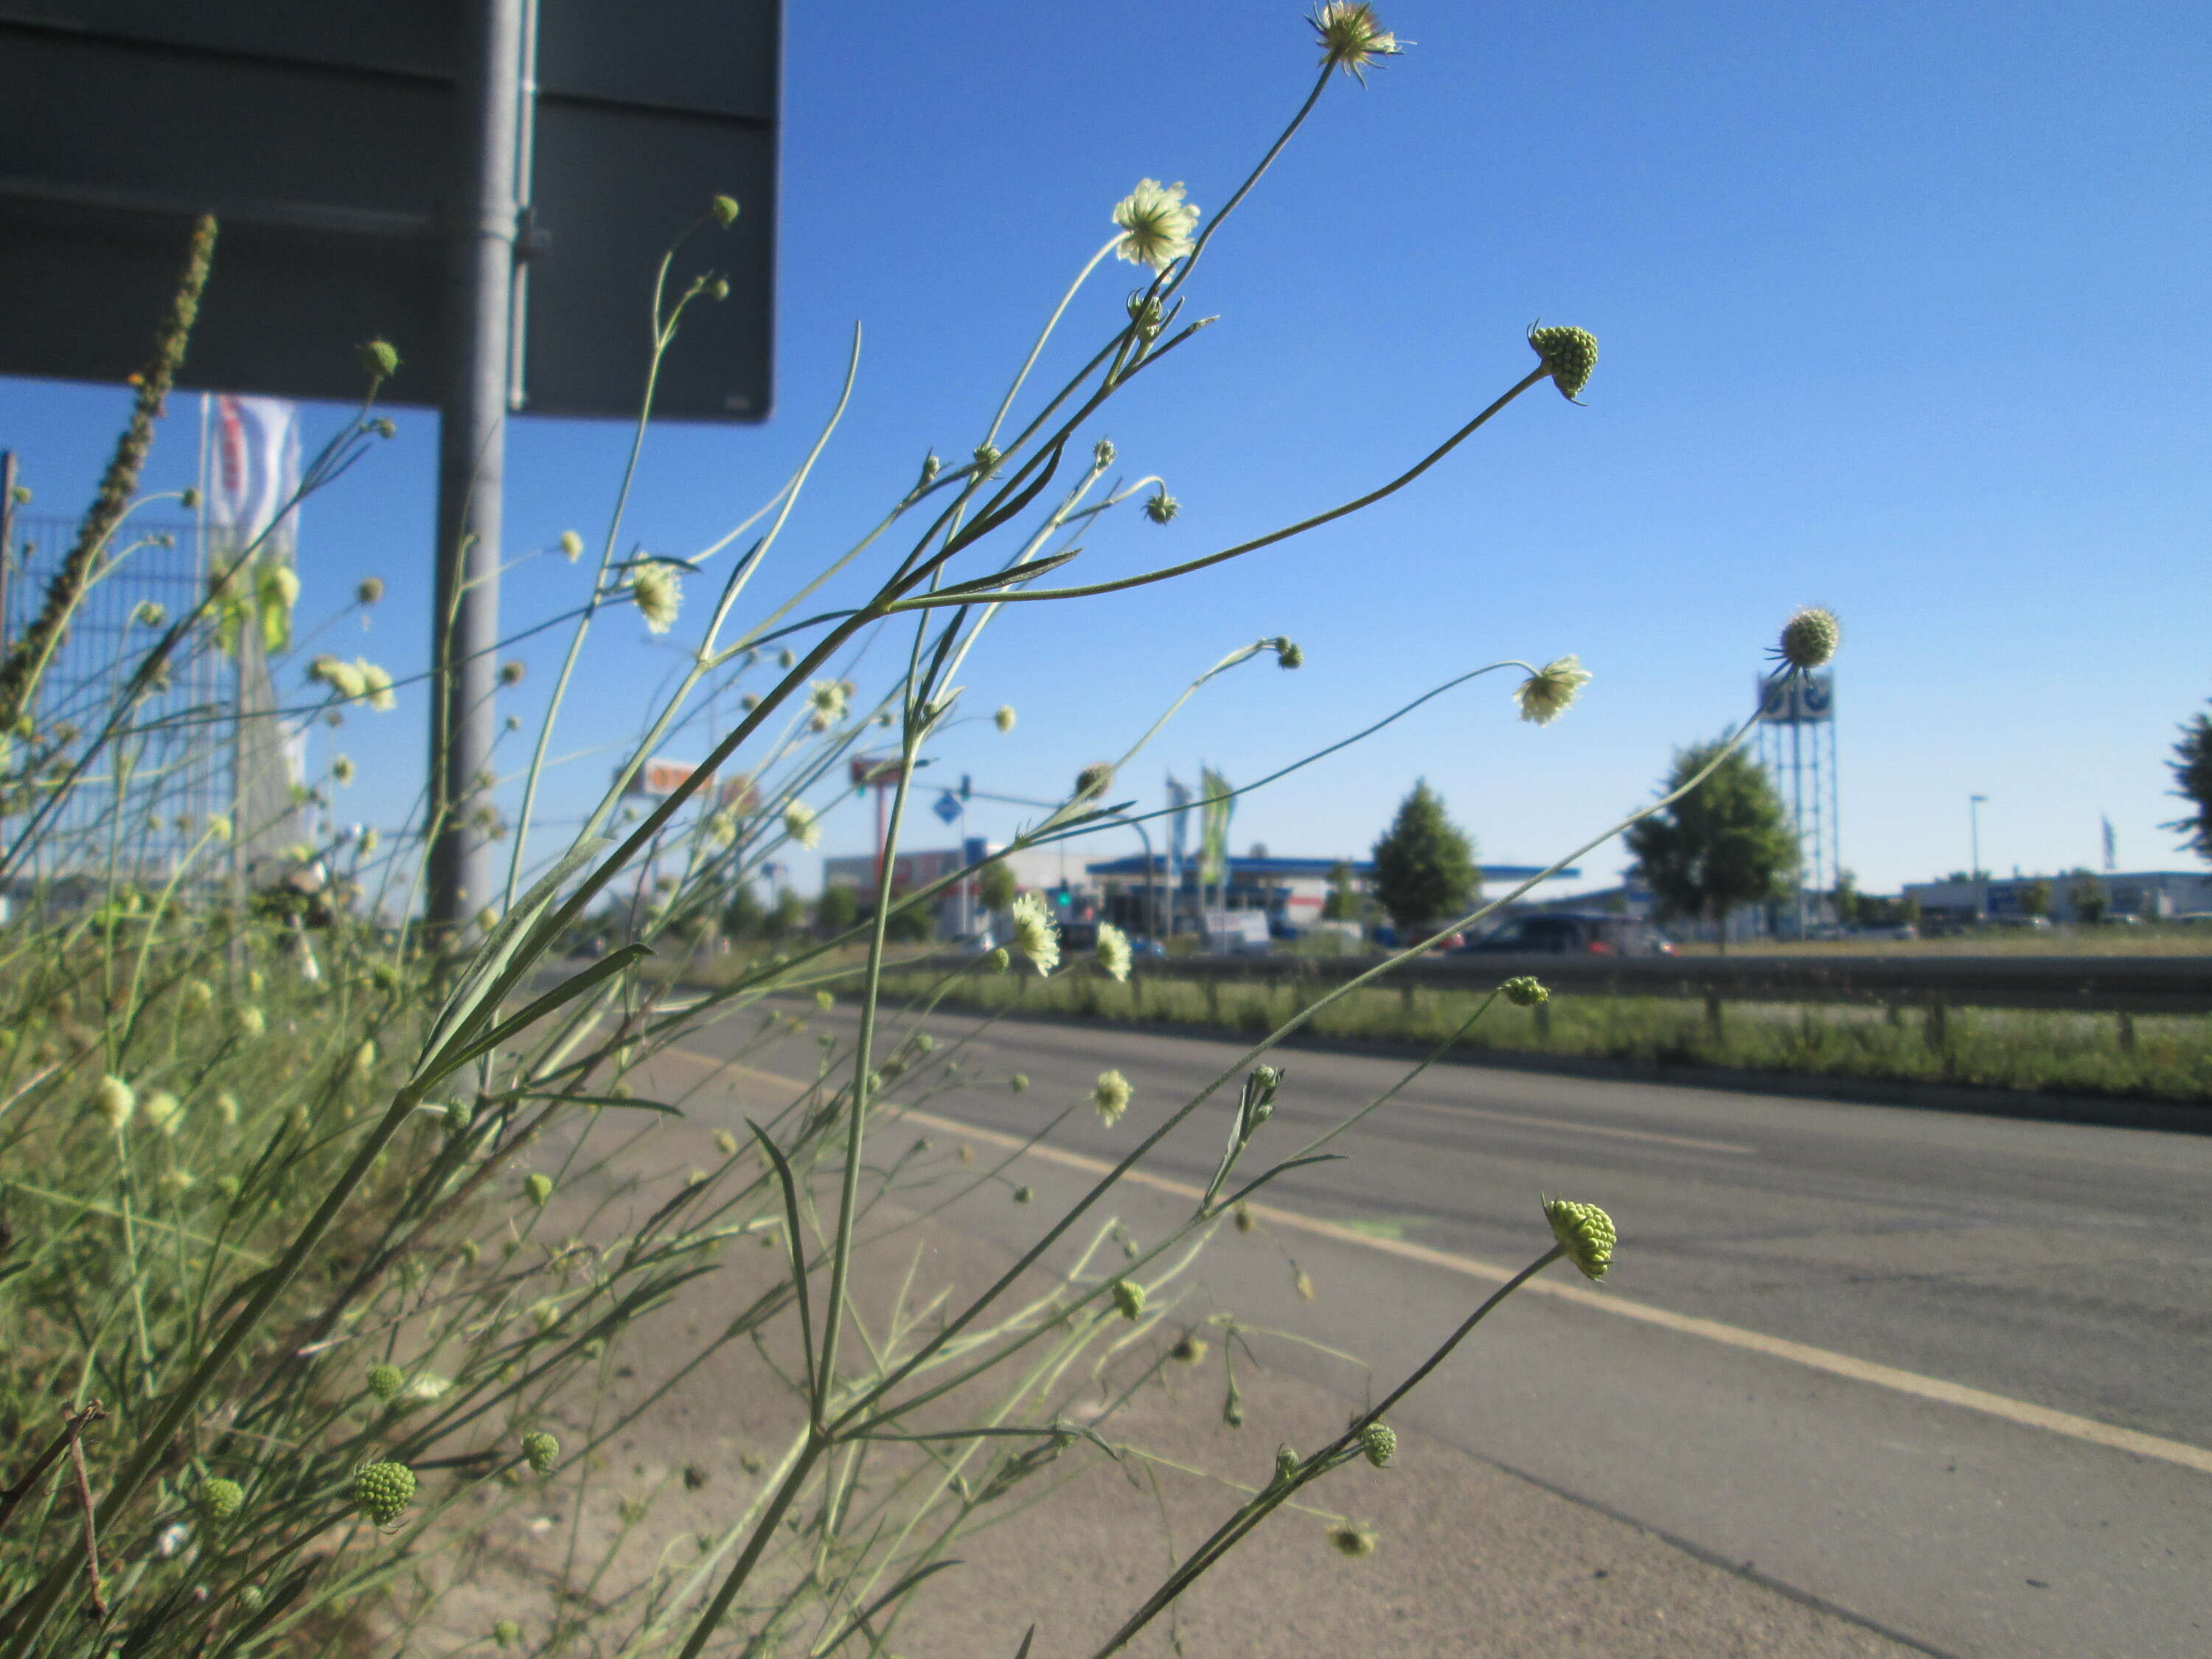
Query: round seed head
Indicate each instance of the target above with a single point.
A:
(378, 358)
(115, 1101)
(1378, 1444)
(571, 546)
(382, 1492)
(1352, 1541)
(505, 1633)
(1287, 1463)
(1019, 1082)
(1809, 639)
(1024, 1194)
(541, 1452)
(1525, 991)
(1000, 961)
(1585, 1233)
(219, 1500)
(1188, 1350)
(384, 1382)
(1004, 720)
(726, 210)
(370, 590)
(538, 1189)
(1129, 1298)
(1569, 355)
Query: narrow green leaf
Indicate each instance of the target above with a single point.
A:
(597, 974)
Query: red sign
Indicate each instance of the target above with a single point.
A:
(880, 770)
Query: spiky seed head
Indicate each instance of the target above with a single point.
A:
(1129, 1298)
(219, 1500)
(538, 1189)
(541, 1452)
(726, 210)
(164, 1112)
(115, 1100)
(1525, 991)
(1809, 638)
(1551, 690)
(382, 1492)
(1350, 38)
(1111, 1097)
(1378, 1444)
(386, 1381)
(1569, 355)
(378, 358)
(1160, 507)
(1585, 1233)
(1351, 1540)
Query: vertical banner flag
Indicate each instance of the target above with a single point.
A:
(1213, 827)
(2112, 853)
(251, 479)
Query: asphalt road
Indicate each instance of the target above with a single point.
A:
(1893, 1361)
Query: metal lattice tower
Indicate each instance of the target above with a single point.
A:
(1797, 738)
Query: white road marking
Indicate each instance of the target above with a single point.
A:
(1733, 1147)
(2019, 1411)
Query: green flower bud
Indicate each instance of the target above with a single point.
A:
(1525, 991)
(378, 358)
(1809, 639)
(219, 1500)
(987, 457)
(1287, 655)
(719, 289)
(1001, 960)
(1569, 355)
(538, 1189)
(1585, 1233)
(1129, 1298)
(382, 1492)
(1019, 1082)
(505, 1633)
(1188, 1350)
(541, 1452)
(1286, 1464)
(1246, 1221)
(1379, 1443)
(457, 1115)
(726, 210)
(1024, 1194)
(1352, 1541)
(370, 591)
(384, 1382)
(824, 1001)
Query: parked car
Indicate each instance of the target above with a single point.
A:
(1564, 933)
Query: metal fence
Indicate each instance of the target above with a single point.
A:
(147, 796)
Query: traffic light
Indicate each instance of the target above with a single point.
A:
(967, 785)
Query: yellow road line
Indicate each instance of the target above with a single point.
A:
(1713, 1330)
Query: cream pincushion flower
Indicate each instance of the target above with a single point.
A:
(1156, 223)
(659, 594)
(1114, 954)
(799, 823)
(1551, 690)
(1036, 934)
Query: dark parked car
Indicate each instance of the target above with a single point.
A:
(1560, 935)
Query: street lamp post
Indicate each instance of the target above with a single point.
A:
(1974, 823)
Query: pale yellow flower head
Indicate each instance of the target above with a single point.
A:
(1111, 1097)
(1037, 936)
(115, 1101)
(1156, 224)
(800, 824)
(1351, 38)
(1551, 690)
(659, 592)
(1114, 953)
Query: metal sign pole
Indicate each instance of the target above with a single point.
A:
(471, 461)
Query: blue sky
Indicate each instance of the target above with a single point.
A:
(1900, 309)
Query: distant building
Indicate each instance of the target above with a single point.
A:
(1290, 892)
(1050, 870)
(2154, 895)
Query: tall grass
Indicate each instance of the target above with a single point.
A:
(330, 1235)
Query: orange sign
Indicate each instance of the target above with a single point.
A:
(660, 777)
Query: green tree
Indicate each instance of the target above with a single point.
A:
(916, 924)
(2193, 770)
(1342, 904)
(1424, 869)
(742, 916)
(788, 919)
(1849, 902)
(2088, 894)
(1726, 844)
(838, 908)
(994, 886)
(2035, 899)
